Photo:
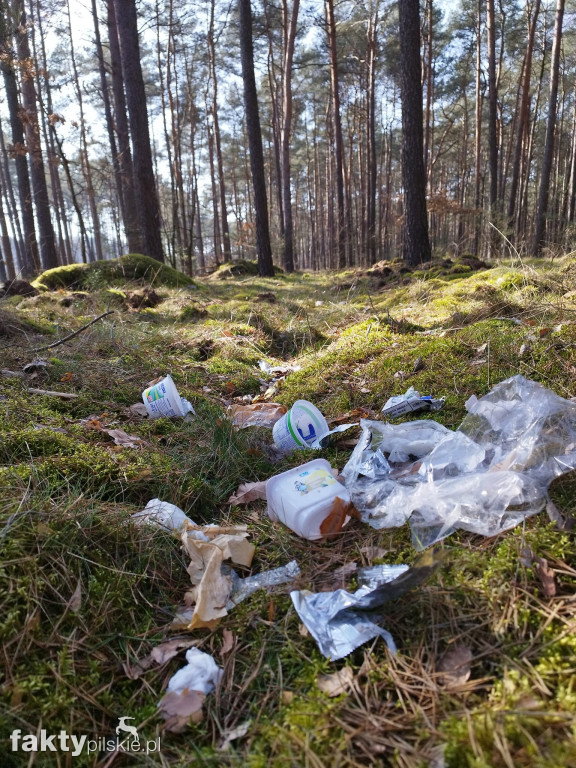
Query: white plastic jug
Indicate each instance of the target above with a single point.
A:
(302, 498)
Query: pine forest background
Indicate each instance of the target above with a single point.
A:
(499, 130)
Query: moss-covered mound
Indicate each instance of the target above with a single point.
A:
(133, 266)
(239, 268)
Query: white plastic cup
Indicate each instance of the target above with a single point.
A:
(299, 427)
(163, 399)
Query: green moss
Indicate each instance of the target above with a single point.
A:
(133, 266)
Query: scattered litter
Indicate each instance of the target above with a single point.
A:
(243, 588)
(340, 621)
(411, 401)
(248, 492)
(309, 500)
(256, 414)
(208, 547)
(485, 477)
(162, 399)
(336, 683)
(299, 427)
(187, 690)
(164, 515)
(281, 370)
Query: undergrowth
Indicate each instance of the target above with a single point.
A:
(85, 594)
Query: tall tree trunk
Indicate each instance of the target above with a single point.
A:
(224, 229)
(84, 160)
(47, 242)
(265, 266)
(478, 133)
(416, 241)
(492, 108)
(131, 223)
(342, 235)
(523, 114)
(285, 136)
(145, 183)
(31, 261)
(108, 112)
(371, 165)
(540, 227)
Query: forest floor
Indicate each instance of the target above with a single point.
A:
(85, 594)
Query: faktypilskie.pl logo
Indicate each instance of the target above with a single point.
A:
(127, 740)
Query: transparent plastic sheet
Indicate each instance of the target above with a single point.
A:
(243, 588)
(485, 477)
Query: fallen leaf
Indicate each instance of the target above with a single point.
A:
(75, 602)
(336, 683)
(229, 642)
(137, 409)
(287, 697)
(257, 414)
(67, 377)
(122, 438)
(248, 492)
(334, 522)
(546, 575)
(180, 709)
(166, 651)
(454, 667)
(234, 733)
(544, 332)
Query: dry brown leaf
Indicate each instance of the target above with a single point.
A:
(229, 642)
(75, 602)
(546, 575)
(166, 651)
(67, 376)
(137, 409)
(122, 438)
(454, 667)
(257, 414)
(248, 492)
(180, 709)
(334, 523)
(336, 683)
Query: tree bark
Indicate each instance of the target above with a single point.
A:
(540, 227)
(47, 240)
(145, 184)
(416, 240)
(265, 266)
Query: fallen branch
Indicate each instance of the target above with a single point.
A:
(66, 395)
(71, 335)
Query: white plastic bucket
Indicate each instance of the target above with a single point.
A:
(299, 427)
(163, 399)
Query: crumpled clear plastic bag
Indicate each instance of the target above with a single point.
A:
(485, 477)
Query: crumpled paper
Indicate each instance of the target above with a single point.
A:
(208, 547)
(187, 689)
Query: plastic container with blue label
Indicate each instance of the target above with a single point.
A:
(302, 498)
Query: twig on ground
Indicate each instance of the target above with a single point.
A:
(71, 335)
(66, 395)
